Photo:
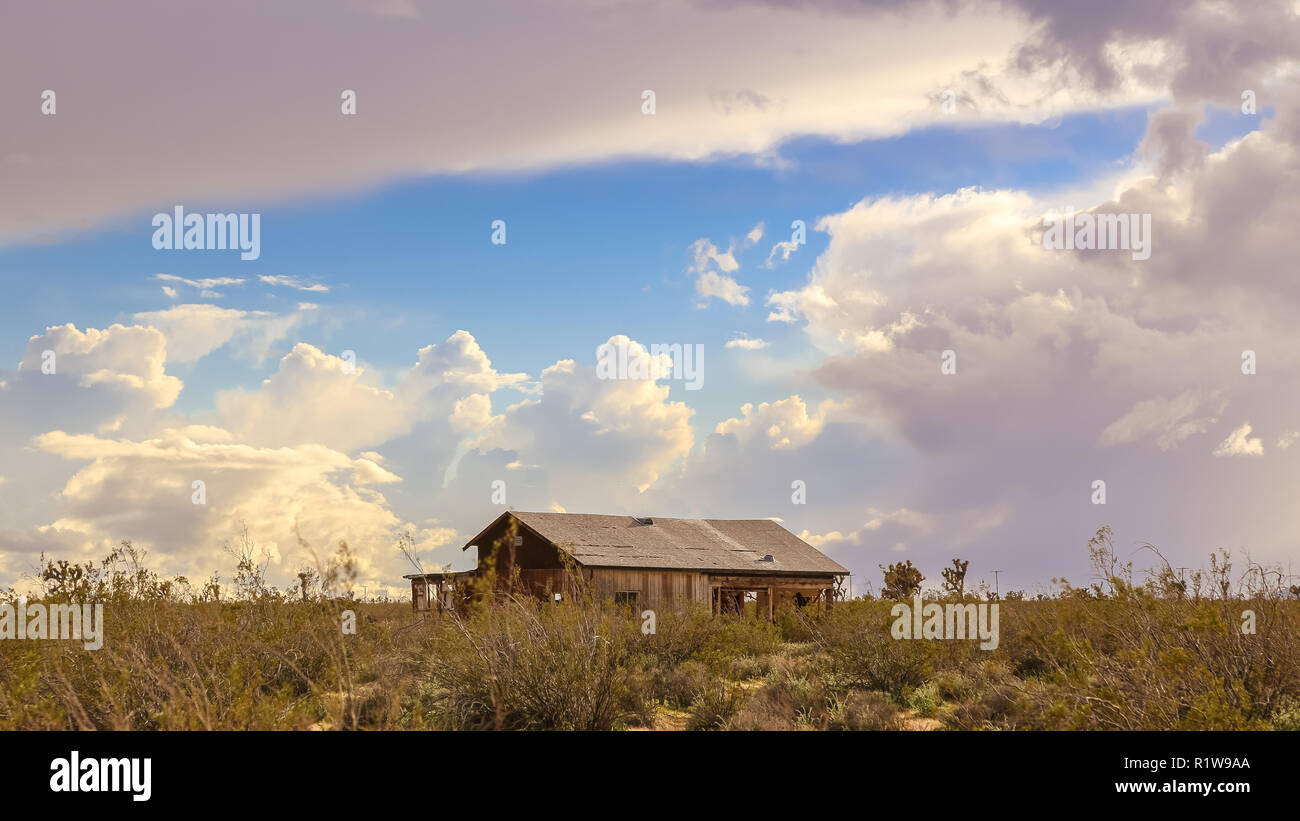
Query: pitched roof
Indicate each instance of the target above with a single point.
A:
(716, 545)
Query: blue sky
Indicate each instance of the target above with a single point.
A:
(590, 252)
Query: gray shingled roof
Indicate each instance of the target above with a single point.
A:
(717, 545)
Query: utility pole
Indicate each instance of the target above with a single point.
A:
(996, 591)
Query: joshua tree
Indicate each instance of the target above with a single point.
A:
(954, 579)
(902, 581)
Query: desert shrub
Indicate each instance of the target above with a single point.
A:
(924, 700)
(1115, 655)
(714, 706)
(731, 637)
(791, 696)
(872, 711)
(524, 664)
(760, 712)
(990, 712)
(799, 624)
(1287, 716)
(689, 631)
(993, 699)
(744, 668)
(951, 685)
(680, 634)
(679, 686)
(864, 655)
(207, 665)
(637, 697)
(1135, 661)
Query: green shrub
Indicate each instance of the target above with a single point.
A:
(788, 698)
(951, 685)
(750, 667)
(716, 705)
(1287, 716)
(924, 700)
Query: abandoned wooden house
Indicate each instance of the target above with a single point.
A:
(646, 562)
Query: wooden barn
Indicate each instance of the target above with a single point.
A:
(647, 562)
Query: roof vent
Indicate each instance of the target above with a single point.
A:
(644, 520)
(767, 558)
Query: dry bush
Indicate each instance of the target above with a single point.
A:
(1168, 653)
(177, 658)
(792, 696)
(865, 656)
(1142, 663)
(715, 706)
(679, 686)
(523, 664)
(744, 668)
(866, 712)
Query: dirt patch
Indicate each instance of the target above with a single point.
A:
(667, 718)
(915, 723)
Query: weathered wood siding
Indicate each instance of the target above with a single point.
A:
(532, 553)
(545, 583)
(654, 588)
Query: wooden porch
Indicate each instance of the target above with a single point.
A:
(729, 592)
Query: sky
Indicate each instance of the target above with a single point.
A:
(841, 204)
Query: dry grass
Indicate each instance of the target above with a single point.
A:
(1116, 656)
